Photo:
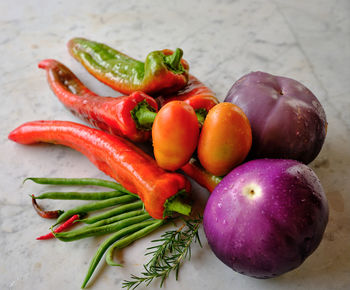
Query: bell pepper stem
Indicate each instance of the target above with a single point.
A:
(174, 60)
(178, 205)
(144, 115)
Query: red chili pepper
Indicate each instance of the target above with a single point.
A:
(117, 116)
(196, 94)
(194, 170)
(115, 156)
(47, 214)
(67, 224)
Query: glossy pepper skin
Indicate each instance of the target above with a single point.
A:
(175, 134)
(115, 156)
(196, 94)
(112, 115)
(194, 170)
(162, 72)
(225, 139)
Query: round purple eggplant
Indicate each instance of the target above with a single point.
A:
(266, 217)
(286, 118)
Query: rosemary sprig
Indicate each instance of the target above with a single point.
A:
(172, 249)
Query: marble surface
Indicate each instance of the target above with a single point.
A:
(222, 40)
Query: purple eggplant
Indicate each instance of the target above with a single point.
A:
(287, 119)
(266, 217)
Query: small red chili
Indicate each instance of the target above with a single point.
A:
(67, 224)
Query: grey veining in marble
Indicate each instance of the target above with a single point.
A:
(222, 40)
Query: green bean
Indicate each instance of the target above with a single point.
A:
(79, 181)
(109, 241)
(82, 230)
(129, 239)
(102, 230)
(116, 218)
(115, 211)
(80, 195)
(94, 206)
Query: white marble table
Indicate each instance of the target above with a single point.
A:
(222, 40)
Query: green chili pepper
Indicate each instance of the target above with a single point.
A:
(162, 72)
(90, 231)
(112, 239)
(79, 195)
(115, 211)
(95, 206)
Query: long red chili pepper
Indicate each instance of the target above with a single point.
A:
(66, 225)
(118, 158)
(196, 94)
(47, 214)
(113, 115)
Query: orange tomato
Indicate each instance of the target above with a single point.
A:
(175, 133)
(225, 139)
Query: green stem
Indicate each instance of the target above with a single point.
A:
(174, 60)
(201, 115)
(146, 118)
(178, 205)
(144, 115)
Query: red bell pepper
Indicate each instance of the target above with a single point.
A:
(129, 165)
(118, 116)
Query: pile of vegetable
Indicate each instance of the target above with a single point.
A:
(267, 210)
